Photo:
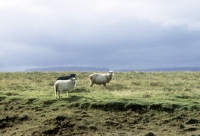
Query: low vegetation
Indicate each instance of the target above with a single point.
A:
(133, 103)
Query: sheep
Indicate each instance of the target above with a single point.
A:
(99, 79)
(66, 77)
(64, 85)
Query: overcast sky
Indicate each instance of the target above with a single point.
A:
(115, 34)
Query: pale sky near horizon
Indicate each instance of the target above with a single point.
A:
(115, 34)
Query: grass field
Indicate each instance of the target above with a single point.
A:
(133, 103)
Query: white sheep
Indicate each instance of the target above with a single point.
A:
(99, 79)
(64, 85)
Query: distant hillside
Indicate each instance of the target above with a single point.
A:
(72, 68)
(173, 69)
(163, 69)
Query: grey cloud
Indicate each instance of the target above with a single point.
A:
(112, 35)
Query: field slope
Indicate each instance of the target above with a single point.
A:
(133, 103)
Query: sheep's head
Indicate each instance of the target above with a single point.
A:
(110, 73)
(73, 75)
(109, 76)
(73, 80)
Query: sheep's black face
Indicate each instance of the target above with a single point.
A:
(73, 75)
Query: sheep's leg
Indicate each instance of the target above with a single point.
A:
(104, 85)
(55, 89)
(91, 84)
(56, 94)
(59, 95)
(67, 94)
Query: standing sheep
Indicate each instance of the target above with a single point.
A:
(64, 85)
(99, 79)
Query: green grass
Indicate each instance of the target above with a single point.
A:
(173, 89)
(133, 103)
